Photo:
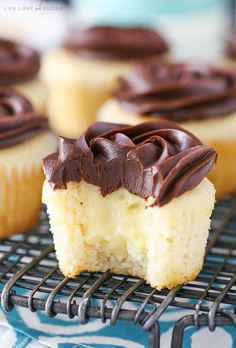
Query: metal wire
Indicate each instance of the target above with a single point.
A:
(29, 277)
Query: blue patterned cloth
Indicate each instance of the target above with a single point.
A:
(21, 328)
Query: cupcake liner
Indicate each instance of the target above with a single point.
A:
(21, 179)
(20, 199)
(223, 175)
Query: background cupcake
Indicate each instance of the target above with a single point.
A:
(24, 140)
(19, 68)
(82, 74)
(201, 98)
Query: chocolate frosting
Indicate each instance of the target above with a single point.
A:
(179, 92)
(153, 159)
(116, 43)
(18, 63)
(18, 120)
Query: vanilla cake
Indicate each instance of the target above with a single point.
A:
(200, 98)
(131, 199)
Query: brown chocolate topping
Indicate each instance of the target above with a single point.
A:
(179, 92)
(153, 159)
(116, 43)
(18, 63)
(18, 120)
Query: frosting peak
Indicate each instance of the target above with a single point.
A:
(178, 92)
(153, 159)
(18, 120)
(18, 63)
(117, 43)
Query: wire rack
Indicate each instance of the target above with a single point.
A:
(30, 278)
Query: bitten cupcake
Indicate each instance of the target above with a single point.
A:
(24, 141)
(19, 68)
(126, 198)
(82, 74)
(200, 98)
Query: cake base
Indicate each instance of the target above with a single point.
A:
(77, 87)
(36, 92)
(21, 179)
(122, 233)
(218, 133)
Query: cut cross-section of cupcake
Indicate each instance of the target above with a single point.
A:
(24, 141)
(132, 199)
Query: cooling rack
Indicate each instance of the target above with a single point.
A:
(29, 277)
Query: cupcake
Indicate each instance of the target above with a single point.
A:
(24, 141)
(19, 68)
(126, 199)
(200, 98)
(81, 75)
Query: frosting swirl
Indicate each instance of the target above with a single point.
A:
(18, 120)
(179, 92)
(153, 159)
(116, 43)
(18, 63)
